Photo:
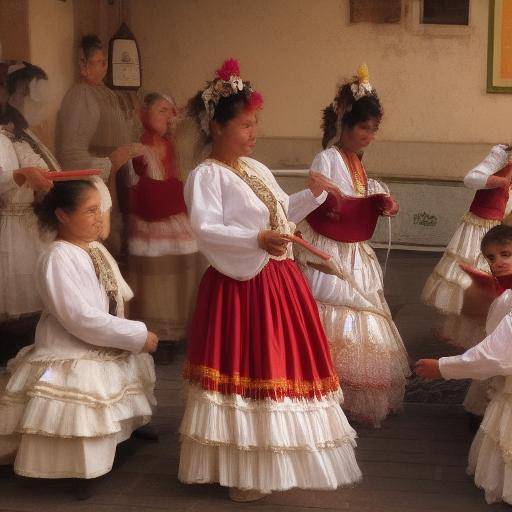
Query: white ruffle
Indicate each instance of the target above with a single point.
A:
(366, 347)
(445, 287)
(370, 359)
(76, 398)
(268, 471)
(304, 443)
(490, 457)
(161, 238)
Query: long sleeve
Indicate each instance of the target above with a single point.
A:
(490, 358)
(232, 248)
(78, 120)
(302, 203)
(8, 163)
(61, 293)
(476, 178)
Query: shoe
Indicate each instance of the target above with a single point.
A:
(147, 433)
(245, 496)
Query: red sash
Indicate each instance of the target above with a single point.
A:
(347, 219)
(490, 203)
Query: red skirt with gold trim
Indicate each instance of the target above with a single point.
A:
(260, 338)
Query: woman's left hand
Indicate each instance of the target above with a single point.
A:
(317, 183)
(390, 207)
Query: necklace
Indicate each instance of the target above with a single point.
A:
(356, 170)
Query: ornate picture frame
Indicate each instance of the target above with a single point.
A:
(499, 48)
(125, 70)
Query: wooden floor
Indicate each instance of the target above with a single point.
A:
(415, 462)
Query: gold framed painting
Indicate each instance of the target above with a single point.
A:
(499, 49)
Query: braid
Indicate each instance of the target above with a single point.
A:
(329, 119)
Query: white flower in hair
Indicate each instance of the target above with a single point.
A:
(236, 83)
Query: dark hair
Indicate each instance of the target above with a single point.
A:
(89, 44)
(65, 195)
(500, 234)
(226, 109)
(355, 111)
(24, 75)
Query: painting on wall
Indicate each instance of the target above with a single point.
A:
(499, 57)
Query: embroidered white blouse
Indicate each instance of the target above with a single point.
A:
(75, 318)
(227, 216)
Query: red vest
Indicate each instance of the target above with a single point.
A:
(490, 203)
(151, 199)
(347, 219)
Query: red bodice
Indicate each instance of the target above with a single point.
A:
(156, 199)
(490, 203)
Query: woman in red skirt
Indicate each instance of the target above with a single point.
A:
(263, 409)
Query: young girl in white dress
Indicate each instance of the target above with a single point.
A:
(87, 381)
(490, 456)
(366, 347)
(445, 287)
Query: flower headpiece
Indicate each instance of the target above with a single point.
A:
(226, 83)
(351, 91)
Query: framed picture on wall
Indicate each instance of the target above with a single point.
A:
(124, 66)
(499, 49)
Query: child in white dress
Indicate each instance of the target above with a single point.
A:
(490, 456)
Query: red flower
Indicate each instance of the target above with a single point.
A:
(255, 101)
(229, 68)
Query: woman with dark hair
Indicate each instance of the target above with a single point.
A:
(86, 383)
(162, 250)
(97, 128)
(262, 410)
(365, 344)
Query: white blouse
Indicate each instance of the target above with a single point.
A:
(75, 318)
(492, 356)
(476, 178)
(330, 163)
(227, 216)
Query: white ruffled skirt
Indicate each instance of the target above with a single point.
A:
(19, 250)
(64, 418)
(444, 289)
(266, 445)
(490, 457)
(366, 347)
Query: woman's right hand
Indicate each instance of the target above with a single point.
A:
(33, 177)
(151, 343)
(122, 154)
(273, 242)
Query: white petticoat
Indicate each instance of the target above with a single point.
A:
(366, 347)
(266, 445)
(490, 457)
(170, 236)
(444, 289)
(63, 419)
